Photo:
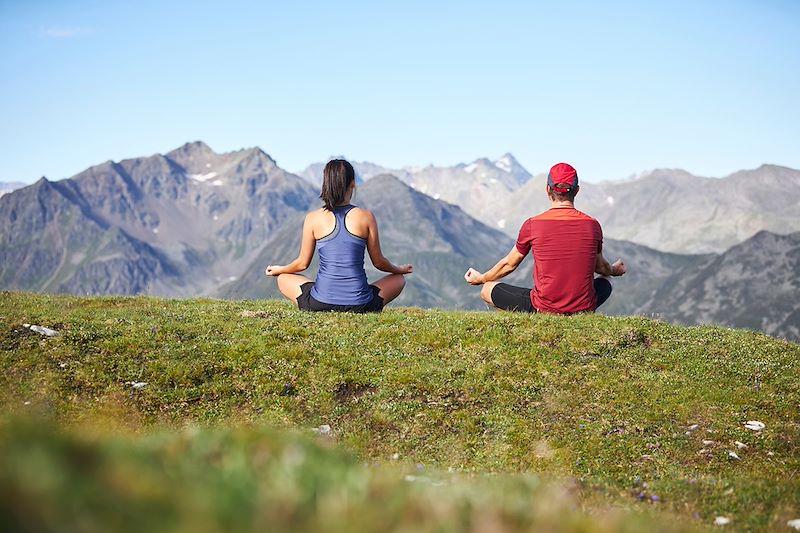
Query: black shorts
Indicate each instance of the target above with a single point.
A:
(513, 298)
(306, 302)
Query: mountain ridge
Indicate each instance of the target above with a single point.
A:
(668, 209)
(205, 226)
(194, 222)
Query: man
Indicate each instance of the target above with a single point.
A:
(567, 250)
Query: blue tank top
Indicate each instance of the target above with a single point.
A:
(341, 279)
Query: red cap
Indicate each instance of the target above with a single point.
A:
(564, 175)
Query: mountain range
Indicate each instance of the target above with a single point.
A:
(753, 285)
(175, 225)
(674, 211)
(194, 222)
(670, 210)
(480, 188)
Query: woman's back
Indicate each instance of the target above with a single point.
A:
(341, 233)
(341, 279)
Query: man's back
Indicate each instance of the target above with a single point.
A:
(567, 251)
(565, 244)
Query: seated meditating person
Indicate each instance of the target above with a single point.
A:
(341, 232)
(567, 248)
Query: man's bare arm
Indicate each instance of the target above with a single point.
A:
(504, 267)
(604, 268)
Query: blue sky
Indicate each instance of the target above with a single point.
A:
(615, 88)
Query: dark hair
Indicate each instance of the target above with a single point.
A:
(563, 196)
(336, 178)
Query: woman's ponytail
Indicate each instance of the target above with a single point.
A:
(336, 178)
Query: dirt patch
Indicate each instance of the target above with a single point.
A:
(12, 337)
(350, 390)
(634, 338)
(254, 314)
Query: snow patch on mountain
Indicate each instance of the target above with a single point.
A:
(202, 177)
(503, 164)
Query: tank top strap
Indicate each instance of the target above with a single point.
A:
(341, 212)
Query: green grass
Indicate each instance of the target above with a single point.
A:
(602, 405)
(254, 479)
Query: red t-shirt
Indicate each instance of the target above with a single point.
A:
(565, 244)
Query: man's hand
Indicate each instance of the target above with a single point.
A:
(405, 269)
(604, 268)
(474, 277)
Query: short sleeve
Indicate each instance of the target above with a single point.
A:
(524, 238)
(599, 232)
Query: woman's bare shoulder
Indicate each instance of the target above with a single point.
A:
(318, 218)
(316, 214)
(361, 213)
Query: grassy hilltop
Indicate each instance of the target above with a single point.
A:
(198, 415)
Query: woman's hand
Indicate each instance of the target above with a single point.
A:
(274, 270)
(405, 269)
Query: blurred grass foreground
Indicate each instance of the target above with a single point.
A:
(204, 415)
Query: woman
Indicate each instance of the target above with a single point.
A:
(341, 232)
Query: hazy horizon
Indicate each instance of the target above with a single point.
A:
(533, 171)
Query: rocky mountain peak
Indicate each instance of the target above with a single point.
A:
(259, 153)
(194, 149)
(386, 182)
(775, 175)
(507, 159)
(774, 168)
(668, 175)
(42, 185)
(508, 163)
(194, 156)
(254, 161)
